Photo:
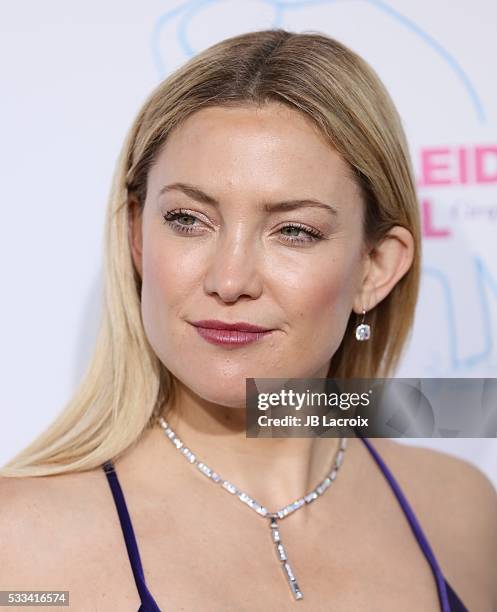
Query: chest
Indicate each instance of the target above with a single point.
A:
(341, 563)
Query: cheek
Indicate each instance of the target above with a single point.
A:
(321, 303)
(168, 271)
(164, 285)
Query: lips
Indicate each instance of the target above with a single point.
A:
(230, 334)
(241, 326)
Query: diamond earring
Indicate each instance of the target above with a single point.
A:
(363, 330)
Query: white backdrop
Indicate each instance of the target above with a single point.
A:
(73, 78)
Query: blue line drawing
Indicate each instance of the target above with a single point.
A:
(483, 278)
(448, 58)
(191, 7)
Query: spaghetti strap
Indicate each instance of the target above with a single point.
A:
(449, 600)
(148, 602)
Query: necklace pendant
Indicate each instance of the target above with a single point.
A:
(280, 549)
(261, 510)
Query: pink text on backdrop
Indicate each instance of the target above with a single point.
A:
(449, 166)
(428, 227)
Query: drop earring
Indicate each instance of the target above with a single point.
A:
(363, 330)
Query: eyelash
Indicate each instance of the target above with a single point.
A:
(170, 218)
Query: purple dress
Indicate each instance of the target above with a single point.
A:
(449, 601)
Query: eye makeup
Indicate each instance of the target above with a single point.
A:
(310, 235)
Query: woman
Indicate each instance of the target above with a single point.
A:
(266, 182)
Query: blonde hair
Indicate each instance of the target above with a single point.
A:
(126, 386)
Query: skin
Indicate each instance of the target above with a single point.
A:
(202, 550)
(243, 263)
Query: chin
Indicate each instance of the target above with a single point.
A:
(233, 397)
(211, 385)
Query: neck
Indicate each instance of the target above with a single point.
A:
(273, 471)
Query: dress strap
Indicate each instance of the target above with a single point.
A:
(415, 526)
(449, 600)
(129, 537)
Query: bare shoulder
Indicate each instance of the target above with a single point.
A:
(41, 521)
(456, 505)
(25, 498)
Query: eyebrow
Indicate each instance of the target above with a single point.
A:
(200, 196)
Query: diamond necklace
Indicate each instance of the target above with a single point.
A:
(251, 503)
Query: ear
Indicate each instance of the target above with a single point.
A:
(135, 237)
(385, 265)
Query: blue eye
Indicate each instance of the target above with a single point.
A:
(312, 234)
(171, 219)
(176, 218)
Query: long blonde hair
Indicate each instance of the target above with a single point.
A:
(126, 386)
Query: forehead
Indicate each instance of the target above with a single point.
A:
(272, 149)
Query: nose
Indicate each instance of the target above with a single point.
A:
(233, 267)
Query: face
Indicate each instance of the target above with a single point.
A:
(214, 245)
